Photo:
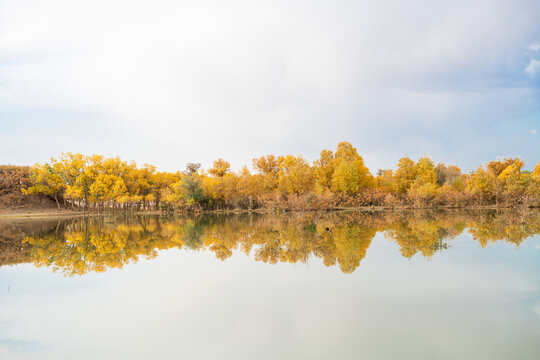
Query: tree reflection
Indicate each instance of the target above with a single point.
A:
(78, 246)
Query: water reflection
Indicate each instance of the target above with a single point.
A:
(78, 246)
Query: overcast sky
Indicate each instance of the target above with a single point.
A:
(168, 82)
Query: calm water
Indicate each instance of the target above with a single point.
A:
(422, 285)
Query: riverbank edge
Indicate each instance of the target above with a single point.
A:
(63, 213)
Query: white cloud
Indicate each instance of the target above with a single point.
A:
(532, 131)
(533, 68)
(535, 46)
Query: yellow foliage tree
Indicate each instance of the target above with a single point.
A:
(350, 174)
(295, 176)
(220, 168)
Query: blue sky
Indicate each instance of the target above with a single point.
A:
(168, 82)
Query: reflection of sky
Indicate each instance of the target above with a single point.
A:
(464, 303)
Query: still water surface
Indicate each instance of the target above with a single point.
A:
(413, 285)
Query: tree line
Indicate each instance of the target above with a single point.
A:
(336, 179)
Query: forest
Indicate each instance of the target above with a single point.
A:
(337, 179)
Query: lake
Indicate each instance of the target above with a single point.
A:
(336, 285)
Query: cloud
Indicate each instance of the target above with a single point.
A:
(533, 68)
(535, 46)
(532, 131)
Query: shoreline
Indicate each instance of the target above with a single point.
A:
(66, 213)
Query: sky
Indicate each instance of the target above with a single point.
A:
(170, 82)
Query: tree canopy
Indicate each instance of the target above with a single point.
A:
(337, 178)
